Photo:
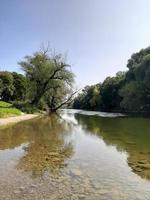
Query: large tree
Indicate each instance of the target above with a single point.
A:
(20, 84)
(136, 92)
(50, 78)
(133, 96)
(6, 84)
(110, 91)
(89, 98)
(13, 86)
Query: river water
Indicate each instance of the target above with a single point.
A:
(78, 155)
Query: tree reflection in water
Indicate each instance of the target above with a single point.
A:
(131, 135)
(48, 144)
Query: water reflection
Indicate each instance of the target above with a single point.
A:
(46, 145)
(75, 157)
(131, 135)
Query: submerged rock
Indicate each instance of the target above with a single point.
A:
(16, 192)
(76, 172)
(22, 188)
(74, 197)
(53, 154)
(145, 166)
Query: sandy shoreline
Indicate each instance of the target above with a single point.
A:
(10, 120)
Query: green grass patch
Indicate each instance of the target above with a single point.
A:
(4, 104)
(8, 110)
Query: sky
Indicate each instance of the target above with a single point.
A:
(98, 36)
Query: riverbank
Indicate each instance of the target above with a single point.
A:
(12, 120)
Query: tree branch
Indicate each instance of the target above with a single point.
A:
(66, 101)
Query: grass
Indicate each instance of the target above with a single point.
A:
(8, 110)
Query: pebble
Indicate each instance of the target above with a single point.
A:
(76, 172)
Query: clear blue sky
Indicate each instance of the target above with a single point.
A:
(98, 35)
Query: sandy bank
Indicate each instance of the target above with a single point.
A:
(9, 120)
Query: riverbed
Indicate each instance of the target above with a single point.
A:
(76, 155)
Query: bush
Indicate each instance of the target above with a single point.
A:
(26, 107)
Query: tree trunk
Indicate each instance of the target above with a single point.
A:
(51, 111)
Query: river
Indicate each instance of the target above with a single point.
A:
(76, 155)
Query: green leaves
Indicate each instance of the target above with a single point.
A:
(50, 78)
(127, 91)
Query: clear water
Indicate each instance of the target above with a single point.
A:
(76, 156)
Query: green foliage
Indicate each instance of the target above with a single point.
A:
(4, 104)
(50, 79)
(26, 107)
(7, 110)
(47, 82)
(103, 96)
(133, 96)
(20, 85)
(128, 91)
(137, 58)
(13, 86)
(7, 87)
(139, 72)
(110, 91)
(89, 98)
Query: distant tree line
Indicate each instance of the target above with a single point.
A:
(47, 83)
(127, 91)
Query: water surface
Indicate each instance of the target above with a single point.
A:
(77, 155)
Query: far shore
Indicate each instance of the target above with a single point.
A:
(12, 120)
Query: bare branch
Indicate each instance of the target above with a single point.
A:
(45, 49)
(67, 100)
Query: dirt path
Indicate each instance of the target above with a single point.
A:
(9, 120)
